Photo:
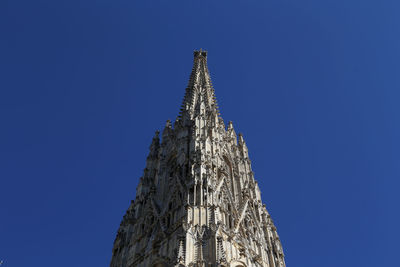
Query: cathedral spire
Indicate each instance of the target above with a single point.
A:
(198, 203)
(199, 97)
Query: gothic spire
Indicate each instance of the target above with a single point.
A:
(199, 96)
(198, 203)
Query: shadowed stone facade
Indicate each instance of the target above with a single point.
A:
(197, 203)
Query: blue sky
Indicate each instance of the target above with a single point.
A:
(313, 86)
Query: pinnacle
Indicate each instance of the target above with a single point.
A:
(168, 124)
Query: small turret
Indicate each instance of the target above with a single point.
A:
(243, 147)
(232, 133)
(167, 130)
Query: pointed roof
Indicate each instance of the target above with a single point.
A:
(199, 92)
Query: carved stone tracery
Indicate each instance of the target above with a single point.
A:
(197, 203)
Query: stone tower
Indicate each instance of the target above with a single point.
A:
(197, 203)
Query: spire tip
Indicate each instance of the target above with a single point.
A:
(200, 53)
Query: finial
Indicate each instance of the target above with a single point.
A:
(241, 140)
(168, 124)
(201, 52)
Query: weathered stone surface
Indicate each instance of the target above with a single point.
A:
(197, 203)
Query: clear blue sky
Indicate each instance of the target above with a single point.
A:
(313, 85)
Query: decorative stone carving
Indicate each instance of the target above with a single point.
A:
(197, 203)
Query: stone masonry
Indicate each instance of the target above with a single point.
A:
(197, 203)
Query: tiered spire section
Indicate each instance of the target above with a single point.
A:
(199, 95)
(197, 203)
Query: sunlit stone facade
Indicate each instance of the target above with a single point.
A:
(197, 203)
